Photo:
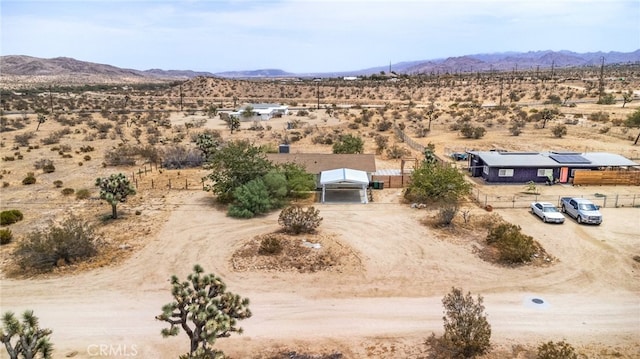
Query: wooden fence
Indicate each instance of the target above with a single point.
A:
(392, 181)
(608, 178)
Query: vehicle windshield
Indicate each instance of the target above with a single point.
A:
(588, 207)
(549, 209)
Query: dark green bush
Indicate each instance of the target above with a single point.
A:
(270, 246)
(5, 236)
(57, 183)
(513, 245)
(68, 191)
(10, 216)
(71, 241)
(30, 179)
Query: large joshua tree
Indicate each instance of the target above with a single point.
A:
(205, 310)
(31, 340)
(115, 189)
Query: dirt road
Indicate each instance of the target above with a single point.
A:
(381, 306)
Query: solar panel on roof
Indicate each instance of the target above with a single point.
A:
(569, 159)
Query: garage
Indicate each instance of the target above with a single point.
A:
(344, 185)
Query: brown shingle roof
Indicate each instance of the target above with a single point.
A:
(318, 162)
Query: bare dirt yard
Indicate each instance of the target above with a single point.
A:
(381, 304)
(381, 298)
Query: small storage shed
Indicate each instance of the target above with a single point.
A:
(345, 179)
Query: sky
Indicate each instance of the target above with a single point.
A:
(305, 36)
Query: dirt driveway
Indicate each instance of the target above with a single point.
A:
(381, 306)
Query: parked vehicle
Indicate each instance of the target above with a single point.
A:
(547, 212)
(583, 210)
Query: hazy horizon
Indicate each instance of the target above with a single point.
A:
(303, 36)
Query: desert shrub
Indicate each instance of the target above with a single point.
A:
(559, 130)
(513, 245)
(296, 220)
(30, 179)
(270, 246)
(85, 149)
(467, 333)
(5, 184)
(46, 165)
(23, 139)
(396, 152)
(559, 350)
(121, 156)
(86, 158)
(608, 99)
(71, 241)
(384, 125)
(179, 156)
(446, 214)
(5, 236)
(8, 158)
(599, 116)
(68, 191)
(57, 183)
(83, 193)
(10, 216)
(469, 131)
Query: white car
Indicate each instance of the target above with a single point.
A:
(547, 212)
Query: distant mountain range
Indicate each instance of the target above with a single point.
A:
(20, 65)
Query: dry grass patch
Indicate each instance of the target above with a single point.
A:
(304, 254)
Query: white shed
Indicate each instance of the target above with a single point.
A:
(345, 178)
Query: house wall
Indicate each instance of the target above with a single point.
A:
(520, 175)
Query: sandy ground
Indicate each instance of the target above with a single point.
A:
(382, 307)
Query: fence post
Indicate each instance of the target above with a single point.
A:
(513, 204)
(633, 202)
(152, 187)
(169, 183)
(616, 204)
(186, 183)
(485, 200)
(136, 180)
(604, 202)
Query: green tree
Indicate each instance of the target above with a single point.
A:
(547, 115)
(250, 199)
(205, 310)
(430, 153)
(299, 182)
(115, 189)
(247, 112)
(233, 165)
(467, 333)
(432, 182)
(207, 143)
(633, 121)
(30, 342)
(296, 220)
(212, 111)
(348, 144)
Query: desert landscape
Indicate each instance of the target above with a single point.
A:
(379, 295)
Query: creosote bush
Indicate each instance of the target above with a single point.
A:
(556, 350)
(296, 220)
(30, 179)
(5, 236)
(513, 245)
(83, 194)
(270, 246)
(66, 243)
(10, 216)
(68, 191)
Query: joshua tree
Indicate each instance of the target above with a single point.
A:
(31, 339)
(633, 120)
(41, 119)
(205, 310)
(114, 189)
(627, 97)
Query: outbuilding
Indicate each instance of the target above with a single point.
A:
(343, 180)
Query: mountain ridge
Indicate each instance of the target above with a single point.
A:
(23, 65)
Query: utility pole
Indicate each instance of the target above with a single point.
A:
(318, 93)
(601, 84)
(50, 101)
(181, 96)
(500, 105)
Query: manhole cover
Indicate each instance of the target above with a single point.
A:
(537, 300)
